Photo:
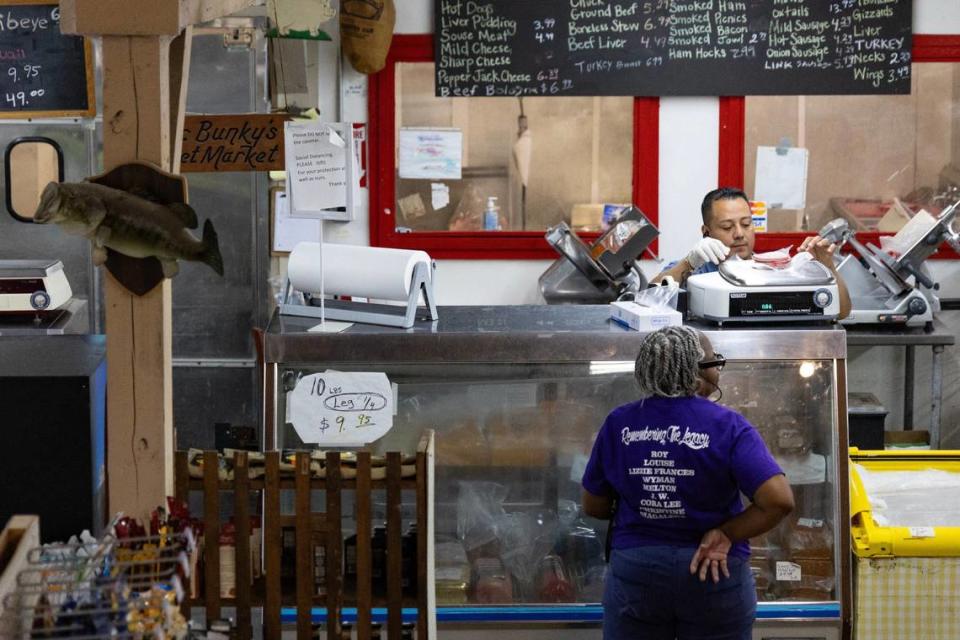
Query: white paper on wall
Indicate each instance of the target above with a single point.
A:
(287, 231)
(781, 178)
(431, 154)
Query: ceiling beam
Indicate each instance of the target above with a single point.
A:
(142, 17)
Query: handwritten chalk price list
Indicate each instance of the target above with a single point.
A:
(42, 72)
(672, 47)
(341, 409)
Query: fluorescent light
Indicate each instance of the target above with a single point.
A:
(608, 367)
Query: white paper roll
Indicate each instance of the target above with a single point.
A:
(350, 270)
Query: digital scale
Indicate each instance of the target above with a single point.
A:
(745, 291)
(32, 287)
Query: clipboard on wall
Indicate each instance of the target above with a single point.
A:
(286, 232)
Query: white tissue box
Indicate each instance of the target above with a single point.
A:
(636, 316)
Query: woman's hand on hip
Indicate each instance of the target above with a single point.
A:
(711, 556)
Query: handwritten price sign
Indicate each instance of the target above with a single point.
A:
(341, 409)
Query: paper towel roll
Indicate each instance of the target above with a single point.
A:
(350, 270)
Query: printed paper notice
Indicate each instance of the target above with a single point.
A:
(810, 523)
(316, 169)
(788, 572)
(781, 178)
(341, 409)
(440, 195)
(287, 231)
(922, 532)
(431, 154)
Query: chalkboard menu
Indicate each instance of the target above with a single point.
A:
(672, 47)
(43, 73)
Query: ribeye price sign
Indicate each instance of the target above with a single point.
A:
(43, 73)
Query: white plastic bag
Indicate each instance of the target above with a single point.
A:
(661, 298)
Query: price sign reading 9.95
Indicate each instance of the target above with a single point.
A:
(341, 409)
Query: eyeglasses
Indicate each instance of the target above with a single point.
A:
(718, 361)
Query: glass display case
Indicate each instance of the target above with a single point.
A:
(516, 396)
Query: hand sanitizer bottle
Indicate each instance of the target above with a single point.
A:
(491, 217)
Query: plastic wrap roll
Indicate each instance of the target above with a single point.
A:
(350, 270)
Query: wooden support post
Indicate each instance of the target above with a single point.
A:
(363, 585)
(242, 561)
(306, 562)
(334, 537)
(142, 17)
(180, 51)
(394, 547)
(137, 126)
(146, 62)
(211, 534)
(272, 544)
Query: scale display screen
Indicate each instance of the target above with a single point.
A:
(787, 303)
(21, 285)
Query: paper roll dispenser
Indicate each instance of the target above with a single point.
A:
(365, 272)
(603, 271)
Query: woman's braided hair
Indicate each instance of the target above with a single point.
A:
(667, 363)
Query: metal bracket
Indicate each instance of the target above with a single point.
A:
(238, 38)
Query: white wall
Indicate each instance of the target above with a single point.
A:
(936, 16)
(689, 143)
(688, 169)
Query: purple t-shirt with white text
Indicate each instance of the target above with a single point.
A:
(678, 467)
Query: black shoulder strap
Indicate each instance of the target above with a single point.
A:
(609, 542)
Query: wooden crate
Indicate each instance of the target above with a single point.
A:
(21, 534)
(269, 592)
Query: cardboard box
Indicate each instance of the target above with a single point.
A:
(636, 316)
(586, 216)
(906, 440)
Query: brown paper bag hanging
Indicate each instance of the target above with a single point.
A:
(366, 29)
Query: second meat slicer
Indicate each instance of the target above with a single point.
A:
(603, 271)
(892, 285)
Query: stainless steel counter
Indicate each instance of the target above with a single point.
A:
(910, 339)
(515, 394)
(72, 318)
(533, 333)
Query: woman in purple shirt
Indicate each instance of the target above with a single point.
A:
(676, 464)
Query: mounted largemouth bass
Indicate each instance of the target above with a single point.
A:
(129, 224)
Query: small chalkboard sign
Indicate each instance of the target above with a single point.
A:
(43, 73)
(672, 47)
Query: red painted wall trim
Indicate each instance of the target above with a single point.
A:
(486, 245)
(731, 140)
(646, 159)
(926, 48)
(936, 48)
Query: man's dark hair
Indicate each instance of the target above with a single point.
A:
(723, 193)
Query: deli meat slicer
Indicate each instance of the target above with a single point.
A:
(603, 271)
(892, 285)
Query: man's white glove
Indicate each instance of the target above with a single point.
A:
(707, 250)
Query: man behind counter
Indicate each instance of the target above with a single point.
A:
(728, 229)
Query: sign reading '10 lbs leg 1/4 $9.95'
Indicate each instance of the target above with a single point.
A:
(341, 409)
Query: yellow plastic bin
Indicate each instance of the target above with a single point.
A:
(907, 578)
